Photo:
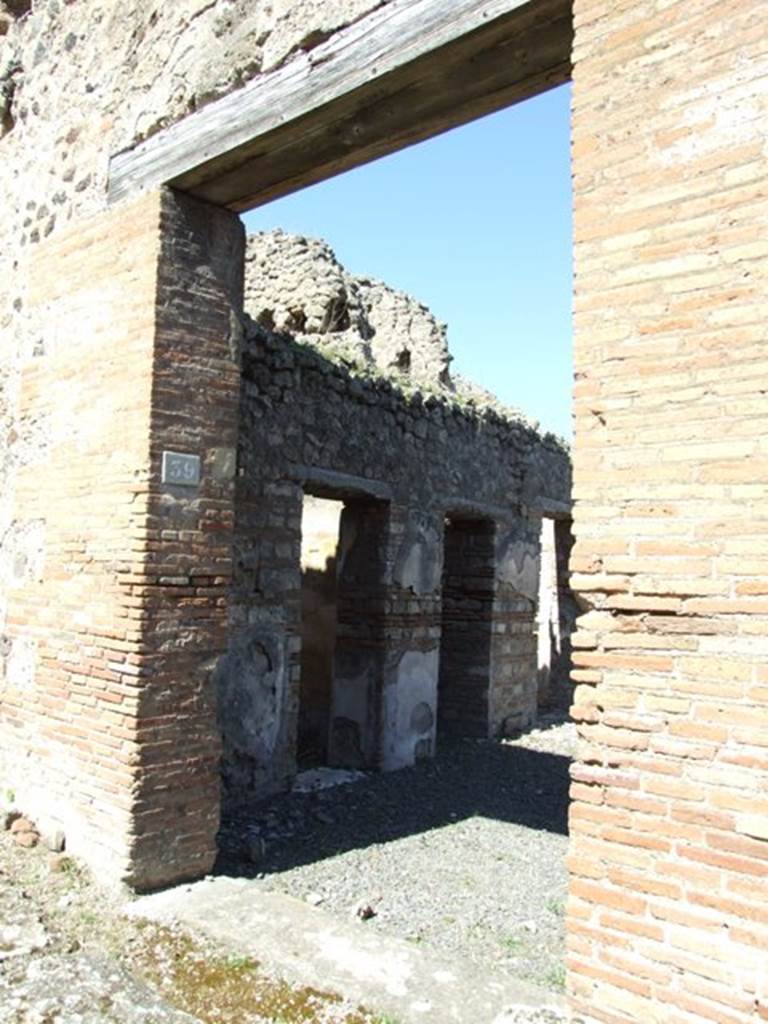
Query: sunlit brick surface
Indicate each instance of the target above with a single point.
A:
(668, 913)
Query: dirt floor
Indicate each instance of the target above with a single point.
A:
(463, 855)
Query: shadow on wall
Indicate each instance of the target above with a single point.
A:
(468, 779)
(318, 642)
(555, 616)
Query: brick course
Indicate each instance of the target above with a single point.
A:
(669, 108)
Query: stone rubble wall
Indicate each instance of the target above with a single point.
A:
(78, 83)
(350, 377)
(310, 424)
(296, 284)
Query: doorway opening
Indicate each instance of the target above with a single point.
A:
(466, 628)
(319, 612)
(342, 631)
(555, 616)
(471, 621)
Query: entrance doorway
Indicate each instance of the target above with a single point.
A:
(465, 645)
(319, 614)
(342, 631)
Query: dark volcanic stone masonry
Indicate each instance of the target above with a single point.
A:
(331, 410)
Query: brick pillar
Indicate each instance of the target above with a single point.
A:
(188, 566)
(117, 607)
(71, 635)
(470, 615)
(668, 909)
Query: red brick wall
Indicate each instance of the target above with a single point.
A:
(67, 736)
(185, 579)
(668, 912)
(107, 725)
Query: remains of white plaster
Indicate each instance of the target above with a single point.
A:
(410, 709)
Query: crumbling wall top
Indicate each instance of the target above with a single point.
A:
(296, 285)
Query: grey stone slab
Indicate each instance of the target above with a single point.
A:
(305, 944)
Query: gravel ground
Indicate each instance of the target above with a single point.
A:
(465, 853)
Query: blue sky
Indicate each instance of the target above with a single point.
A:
(476, 223)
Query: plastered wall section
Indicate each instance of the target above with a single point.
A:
(668, 907)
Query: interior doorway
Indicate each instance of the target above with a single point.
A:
(555, 617)
(343, 550)
(319, 613)
(466, 628)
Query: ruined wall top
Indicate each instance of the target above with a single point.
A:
(296, 285)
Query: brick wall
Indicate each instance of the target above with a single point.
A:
(118, 608)
(73, 628)
(184, 583)
(668, 910)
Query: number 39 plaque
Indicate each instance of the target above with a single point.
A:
(180, 470)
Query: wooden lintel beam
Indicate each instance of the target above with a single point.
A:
(409, 70)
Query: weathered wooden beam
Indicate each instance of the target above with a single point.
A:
(409, 70)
